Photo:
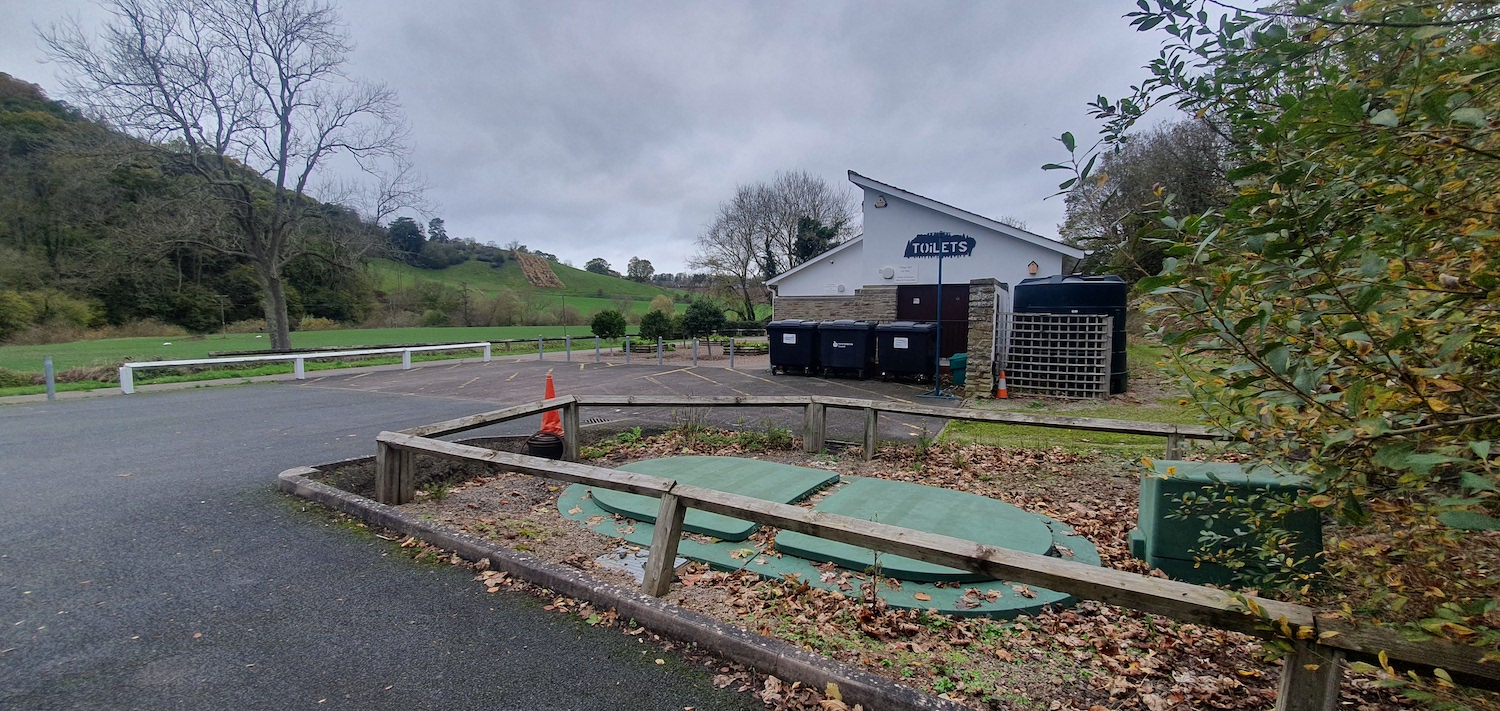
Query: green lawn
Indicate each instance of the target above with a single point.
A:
(28, 359)
(584, 290)
(1145, 376)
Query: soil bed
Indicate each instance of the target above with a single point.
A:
(1089, 656)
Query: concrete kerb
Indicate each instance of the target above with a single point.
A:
(764, 654)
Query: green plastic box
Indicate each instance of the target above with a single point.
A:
(1169, 543)
(958, 364)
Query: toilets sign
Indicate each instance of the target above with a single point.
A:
(940, 245)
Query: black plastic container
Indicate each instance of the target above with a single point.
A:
(794, 346)
(1104, 295)
(545, 444)
(846, 346)
(906, 348)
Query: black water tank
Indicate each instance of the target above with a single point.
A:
(1104, 295)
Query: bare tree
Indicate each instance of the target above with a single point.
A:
(753, 237)
(251, 97)
(1113, 214)
(780, 206)
(730, 249)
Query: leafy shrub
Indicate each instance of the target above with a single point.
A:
(1339, 315)
(663, 303)
(317, 323)
(656, 324)
(16, 313)
(704, 316)
(608, 324)
(12, 379)
(433, 317)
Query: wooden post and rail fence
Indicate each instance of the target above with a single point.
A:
(1310, 677)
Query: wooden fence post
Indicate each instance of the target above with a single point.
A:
(872, 438)
(571, 435)
(1310, 689)
(1174, 446)
(664, 539)
(813, 428)
(395, 481)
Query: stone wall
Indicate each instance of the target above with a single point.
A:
(873, 303)
(981, 377)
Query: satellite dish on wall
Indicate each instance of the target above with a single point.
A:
(887, 273)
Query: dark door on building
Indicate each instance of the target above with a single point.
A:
(919, 303)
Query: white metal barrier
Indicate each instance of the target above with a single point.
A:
(127, 374)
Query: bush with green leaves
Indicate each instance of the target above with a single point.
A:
(608, 324)
(656, 324)
(704, 316)
(1339, 316)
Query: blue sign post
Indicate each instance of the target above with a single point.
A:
(939, 245)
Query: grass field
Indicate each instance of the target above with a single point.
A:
(586, 291)
(1160, 405)
(28, 359)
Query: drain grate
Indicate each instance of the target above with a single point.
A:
(597, 420)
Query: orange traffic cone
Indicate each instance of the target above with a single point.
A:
(1000, 391)
(551, 420)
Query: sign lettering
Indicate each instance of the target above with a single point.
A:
(939, 244)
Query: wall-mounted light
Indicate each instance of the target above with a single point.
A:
(879, 201)
(1032, 268)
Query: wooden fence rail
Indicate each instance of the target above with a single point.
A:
(815, 425)
(1309, 678)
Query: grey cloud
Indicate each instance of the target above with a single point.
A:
(613, 129)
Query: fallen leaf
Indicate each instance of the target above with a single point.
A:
(924, 597)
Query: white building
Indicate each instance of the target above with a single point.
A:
(888, 273)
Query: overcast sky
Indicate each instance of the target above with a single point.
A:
(613, 129)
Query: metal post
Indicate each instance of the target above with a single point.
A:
(937, 368)
(406, 360)
(568, 348)
(298, 370)
(695, 352)
(486, 352)
(48, 376)
(627, 349)
(127, 380)
(538, 347)
(658, 350)
(731, 352)
(596, 349)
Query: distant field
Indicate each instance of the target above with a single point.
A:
(113, 351)
(584, 290)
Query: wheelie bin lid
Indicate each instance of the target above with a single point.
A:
(793, 323)
(848, 323)
(905, 327)
(958, 361)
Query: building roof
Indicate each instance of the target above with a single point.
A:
(836, 249)
(966, 216)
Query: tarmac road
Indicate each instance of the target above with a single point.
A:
(146, 561)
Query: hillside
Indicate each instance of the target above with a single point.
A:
(584, 290)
